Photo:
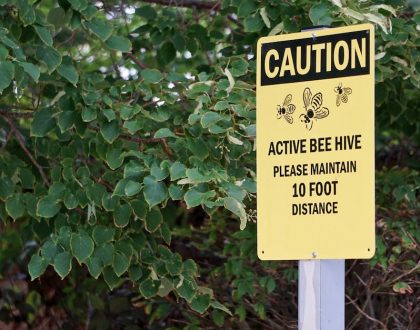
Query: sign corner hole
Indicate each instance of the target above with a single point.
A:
(262, 251)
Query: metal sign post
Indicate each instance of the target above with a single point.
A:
(321, 294)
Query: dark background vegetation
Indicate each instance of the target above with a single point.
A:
(127, 166)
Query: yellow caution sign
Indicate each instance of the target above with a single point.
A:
(315, 144)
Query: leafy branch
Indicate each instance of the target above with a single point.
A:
(21, 140)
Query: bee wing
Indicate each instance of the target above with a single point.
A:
(338, 100)
(321, 113)
(288, 118)
(302, 118)
(316, 101)
(344, 98)
(307, 97)
(287, 100)
(347, 90)
(290, 108)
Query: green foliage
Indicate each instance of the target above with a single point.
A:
(127, 138)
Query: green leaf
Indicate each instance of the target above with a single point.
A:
(99, 27)
(37, 266)
(174, 265)
(49, 56)
(186, 289)
(110, 131)
(109, 114)
(135, 272)
(200, 303)
(159, 173)
(104, 252)
(167, 52)
(271, 285)
(147, 12)
(47, 207)
(140, 208)
(166, 286)
(149, 288)
(153, 220)
(56, 17)
(177, 171)
(217, 305)
(154, 191)
(44, 34)
(264, 16)
(132, 188)
(194, 176)
(102, 234)
(239, 67)
(152, 76)
(122, 215)
(236, 208)
(26, 12)
(49, 250)
(94, 265)
(78, 5)
(120, 263)
(164, 133)
(7, 187)
(81, 246)
(210, 118)
(253, 23)
(221, 105)
(31, 70)
(8, 42)
(66, 120)
(14, 207)
(165, 232)
(128, 112)
(42, 122)
(119, 43)
(193, 197)
(246, 8)
(7, 73)
(111, 278)
(89, 114)
(402, 288)
(218, 318)
(62, 264)
(68, 71)
(320, 14)
(114, 158)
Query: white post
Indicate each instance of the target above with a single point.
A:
(321, 294)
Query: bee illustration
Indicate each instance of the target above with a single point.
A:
(313, 108)
(286, 109)
(342, 94)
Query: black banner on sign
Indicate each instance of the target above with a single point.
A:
(322, 57)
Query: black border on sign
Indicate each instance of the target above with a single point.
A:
(280, 46)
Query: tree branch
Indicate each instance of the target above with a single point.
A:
(135, 60)
(21, 140)
(361, 311)
(200, 4)
(20, 114)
